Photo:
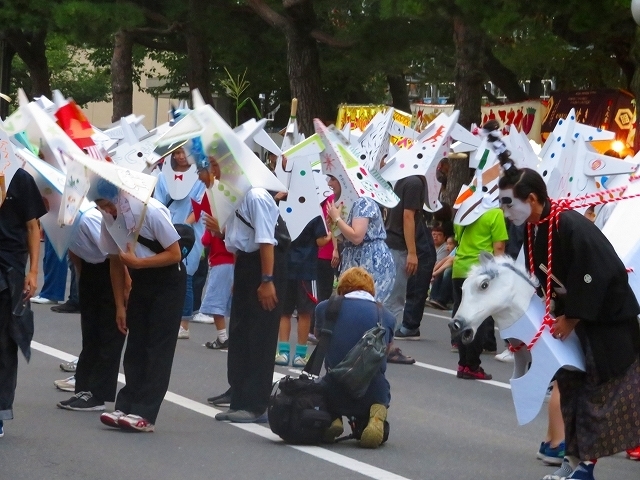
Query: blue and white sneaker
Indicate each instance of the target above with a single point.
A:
(282, 359)
(543, 447)
(553, 455)
(583, 472)
(562, 473)
(1, 428)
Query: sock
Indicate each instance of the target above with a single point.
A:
(573, 461)
(222, 335)
(283, 347)
(301, 350)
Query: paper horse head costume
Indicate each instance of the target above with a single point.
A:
(355, 180)
(209, 136)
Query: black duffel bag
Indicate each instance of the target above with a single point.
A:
(298, 410)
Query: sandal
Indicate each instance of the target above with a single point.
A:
(396, 356)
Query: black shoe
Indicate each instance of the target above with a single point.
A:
(411, 335)
(85, 402)
(217, 344)
(223, 400)
(396, 356)
(66, 307)
(64, 403)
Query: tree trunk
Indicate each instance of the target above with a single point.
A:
(469, 78)
(503, 78)
(198, 52)
(122, 75)
(31, 48)
(399, 92)
(6, 56)
(303, 61)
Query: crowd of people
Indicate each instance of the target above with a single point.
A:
(403, 257)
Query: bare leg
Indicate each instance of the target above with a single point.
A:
(304, 325)
(285, 328)
(555, 428)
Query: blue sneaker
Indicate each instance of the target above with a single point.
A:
(282, 359)
(582, 472)
(543, 447)
(553, 455)
(1, 428)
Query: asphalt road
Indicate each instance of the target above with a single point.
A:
(441, 427)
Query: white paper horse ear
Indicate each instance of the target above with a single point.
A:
(499, 288)
(522, 153)
(465, 141)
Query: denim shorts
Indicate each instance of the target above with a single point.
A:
(217, 297)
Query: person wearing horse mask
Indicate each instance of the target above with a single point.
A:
(591, 293)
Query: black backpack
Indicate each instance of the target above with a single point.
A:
(281, 232)
(187, 240)
(298, 411)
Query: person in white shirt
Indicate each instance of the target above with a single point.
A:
(154, 309)
(96, 377)
(259, 274)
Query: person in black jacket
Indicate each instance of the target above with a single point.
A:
(601, 406)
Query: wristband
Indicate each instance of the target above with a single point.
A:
(267, 278)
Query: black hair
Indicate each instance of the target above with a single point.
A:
(523, 181)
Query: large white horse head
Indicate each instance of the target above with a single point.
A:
(497, 288)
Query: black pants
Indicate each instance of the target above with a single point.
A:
(418, 287)
(324, 284)
(469, 355)
(102, 342)
(153, 318)
(8, 358)
(253, 334)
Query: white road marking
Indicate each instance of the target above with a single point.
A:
(318, 452)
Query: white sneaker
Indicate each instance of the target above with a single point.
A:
(69, 366)
(202, 318)
(43, 301)
(183, 333)
(67, 384)
(506, 356)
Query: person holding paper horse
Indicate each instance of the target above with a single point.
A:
(592, 296)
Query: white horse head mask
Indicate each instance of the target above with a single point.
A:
(498, 288)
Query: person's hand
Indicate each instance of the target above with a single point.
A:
(129, 257)
(333, 211)
(211, 224)
(412, 264)
(280, 196)
(205, 177)
(30, 285)
(335, 259)
(563, 326)
(121, 319)
(267, 295)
